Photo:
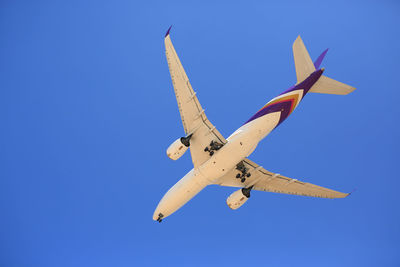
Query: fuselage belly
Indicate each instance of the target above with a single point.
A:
(240, 144)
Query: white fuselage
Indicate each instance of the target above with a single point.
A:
(240, 145)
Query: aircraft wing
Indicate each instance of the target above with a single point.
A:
(264, 180)
(194, 119)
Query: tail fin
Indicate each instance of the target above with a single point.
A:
(302, 61)
(305, 66)
(318, 62)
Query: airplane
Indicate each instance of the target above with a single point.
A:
(225, 162)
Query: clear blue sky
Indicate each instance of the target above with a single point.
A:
(87, 111)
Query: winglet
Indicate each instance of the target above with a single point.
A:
(351, 192)
(168, 31)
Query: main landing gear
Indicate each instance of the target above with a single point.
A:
(160, 216)
(242, 176)
(214, 146)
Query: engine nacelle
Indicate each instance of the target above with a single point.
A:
(177, 149)
(238, 198)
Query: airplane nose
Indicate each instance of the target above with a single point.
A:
(161, 212)
(158, 215)
(155, 216)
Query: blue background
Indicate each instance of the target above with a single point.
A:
(87, 111)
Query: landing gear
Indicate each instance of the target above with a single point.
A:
(160, 216)
(242, 168)
(214, 146)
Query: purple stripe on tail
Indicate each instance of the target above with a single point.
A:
(318, 62)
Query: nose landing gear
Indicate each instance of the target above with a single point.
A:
(160, 216)
(243, 172)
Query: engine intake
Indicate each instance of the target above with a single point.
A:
(178, 148)
(238, 198)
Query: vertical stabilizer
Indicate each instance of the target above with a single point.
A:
(318, 62)
(302, 61)
(305, 66)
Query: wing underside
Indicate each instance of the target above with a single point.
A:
(193, 117)
(264, 180)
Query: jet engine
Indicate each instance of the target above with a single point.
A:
(238, 198)
(178, 148)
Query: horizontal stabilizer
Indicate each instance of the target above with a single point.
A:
(326, 85)
(302, 61)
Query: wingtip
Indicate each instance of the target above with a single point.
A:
(351, 192)
(168, 31)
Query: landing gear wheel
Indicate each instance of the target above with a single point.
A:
(211, 153)
(243, 180)
(160, 216)
(248, 175)
(206, 149)
(238, 175)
